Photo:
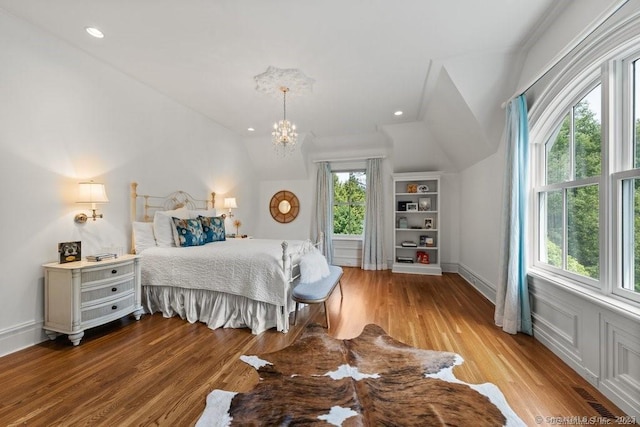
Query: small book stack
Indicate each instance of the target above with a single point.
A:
(101, 257)
(408, 244)
(405, 259)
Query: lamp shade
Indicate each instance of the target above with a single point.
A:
(91, 192)
(230, 203)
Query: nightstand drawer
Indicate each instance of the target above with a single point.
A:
(112, 290)
(106, 272)
(125, 303)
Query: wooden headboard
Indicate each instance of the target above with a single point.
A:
(175, 200)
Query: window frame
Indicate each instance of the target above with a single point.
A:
(540, 187)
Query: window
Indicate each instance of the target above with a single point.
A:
(349, 195)
(629, 187)
(586, 182)
(569, 200)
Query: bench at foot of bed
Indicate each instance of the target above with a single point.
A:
(318, 291)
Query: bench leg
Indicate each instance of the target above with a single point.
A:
(341, 293)
(326, 313)
(295, 314)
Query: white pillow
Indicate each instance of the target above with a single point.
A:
(143, 236)
(163, 227)
(313, 267)
(202, 212)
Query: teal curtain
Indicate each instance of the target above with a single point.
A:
(513, 311)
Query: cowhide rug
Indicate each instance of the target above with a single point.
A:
(366, 381)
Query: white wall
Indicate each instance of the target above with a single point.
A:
(570, 26)
(481, 190)
(299, 228)
(65, 117)
(451, 212)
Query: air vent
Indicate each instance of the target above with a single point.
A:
(593, 402)
(604, 412)
(585, 394)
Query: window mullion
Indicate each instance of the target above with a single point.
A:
(565, 231)
(572, 145)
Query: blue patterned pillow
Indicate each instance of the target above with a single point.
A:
(213, 227)
(189, 231)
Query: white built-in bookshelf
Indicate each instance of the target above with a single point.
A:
(416, 236)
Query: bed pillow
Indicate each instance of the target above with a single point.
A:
(213, 227)
(189, 232)
(202, 212)
(164, 228)
(313, 267)
(143, 236)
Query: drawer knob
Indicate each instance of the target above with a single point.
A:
(114, 271)
(114, 307)
(114, 289)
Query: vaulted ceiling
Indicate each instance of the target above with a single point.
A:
(448, 65)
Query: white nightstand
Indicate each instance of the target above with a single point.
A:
(83, 294)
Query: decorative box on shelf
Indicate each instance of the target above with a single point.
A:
(101, 257)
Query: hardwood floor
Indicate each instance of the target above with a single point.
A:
(159, 371)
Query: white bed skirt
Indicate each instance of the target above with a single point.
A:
(216, 309)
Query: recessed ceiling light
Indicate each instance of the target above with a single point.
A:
(250, 129)
(397, 113)
(95, 32)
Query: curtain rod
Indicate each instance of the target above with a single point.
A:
(604, 18)
(350, 159)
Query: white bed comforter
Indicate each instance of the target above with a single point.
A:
(247, 267)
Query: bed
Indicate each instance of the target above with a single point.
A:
(231, 283)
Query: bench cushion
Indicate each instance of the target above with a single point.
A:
(317, 291)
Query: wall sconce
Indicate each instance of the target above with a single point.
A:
(230, 203)
(90, 192)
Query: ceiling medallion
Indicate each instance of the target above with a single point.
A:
(285, 81)
(271, 81)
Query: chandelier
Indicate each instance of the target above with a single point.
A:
(288, 81)
(284, 132)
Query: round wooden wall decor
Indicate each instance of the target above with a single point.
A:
(284, 206)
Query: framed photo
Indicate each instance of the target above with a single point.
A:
(402, 205)
(70, 251)
(402, 222)
(412, 207)
(429, 223)
(424, 204)
(423, 188)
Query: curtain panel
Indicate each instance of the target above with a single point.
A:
(373, 249)
(513, 312)
(323, 218)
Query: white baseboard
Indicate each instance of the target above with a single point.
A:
(448, 267)
(21, 336)
(481, 285)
